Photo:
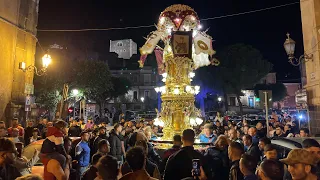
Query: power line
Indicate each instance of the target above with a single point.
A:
(148, 26)
(248, 12)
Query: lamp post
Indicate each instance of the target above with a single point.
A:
(46, 60)
(289, 46)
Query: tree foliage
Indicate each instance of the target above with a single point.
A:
(241, 67)
(279, 90)
(91, 78)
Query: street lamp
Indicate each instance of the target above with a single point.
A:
(75, 92)
(46, 60)
(142, 99)
(219, 99)
(289, 46)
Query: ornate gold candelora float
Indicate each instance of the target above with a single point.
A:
(186, 48)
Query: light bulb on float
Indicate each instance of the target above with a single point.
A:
(164, 75)
(192, 121)
(176, 91)
(188, 88)
(192, 74)
(198, 121)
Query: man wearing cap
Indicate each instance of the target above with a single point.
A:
(301, 164)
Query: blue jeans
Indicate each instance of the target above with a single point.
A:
(82, 170)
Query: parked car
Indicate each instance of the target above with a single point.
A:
(285, 145)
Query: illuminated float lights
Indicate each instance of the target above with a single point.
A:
(194, 90)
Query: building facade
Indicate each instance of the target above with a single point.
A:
(142, 91)
(18, 28)
(311, 36)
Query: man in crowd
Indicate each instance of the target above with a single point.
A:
(279, 132)
(15, 124)
(102, 135)
(3, 132)
(312, 146)
(252, 149)
(253, 133)
(235, 151)
(233, 136)
(136, 158)
(103, 148)
(83, 153)
(177, 143)
(248, 166)
(261, 131)
(28, 132)
(107, 168)
(2, 124)
(42, 124)
(74, 130)
(270, 170)
(91, 173)
(179, 165)
(7, 154)
(304, 132)
(15, 138)
(262, 143)
(270, 152)
(207, 136)
(301, 164)
(150, 167)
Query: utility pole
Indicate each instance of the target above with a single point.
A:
(266, 109)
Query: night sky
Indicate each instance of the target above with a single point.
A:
(265, 30)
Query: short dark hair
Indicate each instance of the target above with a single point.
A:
(248, 137)
(265, 140)
(95, 158)
(188, 135)
(102, 143)
(1, 122)
(249, 162)
(7, 145)
(35, 130)
(237, 147)
(83, 132)
(272, 169)
(15, 119)
(307, 143)
(269, 147)
(177, 138)
(60, 124)
(108, 167)
(136, 158)
(305, 130)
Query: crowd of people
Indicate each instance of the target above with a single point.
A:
(126, 151)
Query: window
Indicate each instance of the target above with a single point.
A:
(251, 103)
(147, 78)
(232, 101)
(146, 93)
(135, 95)
(119, 44)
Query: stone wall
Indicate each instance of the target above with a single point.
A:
(18, 21)
(310, 14)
